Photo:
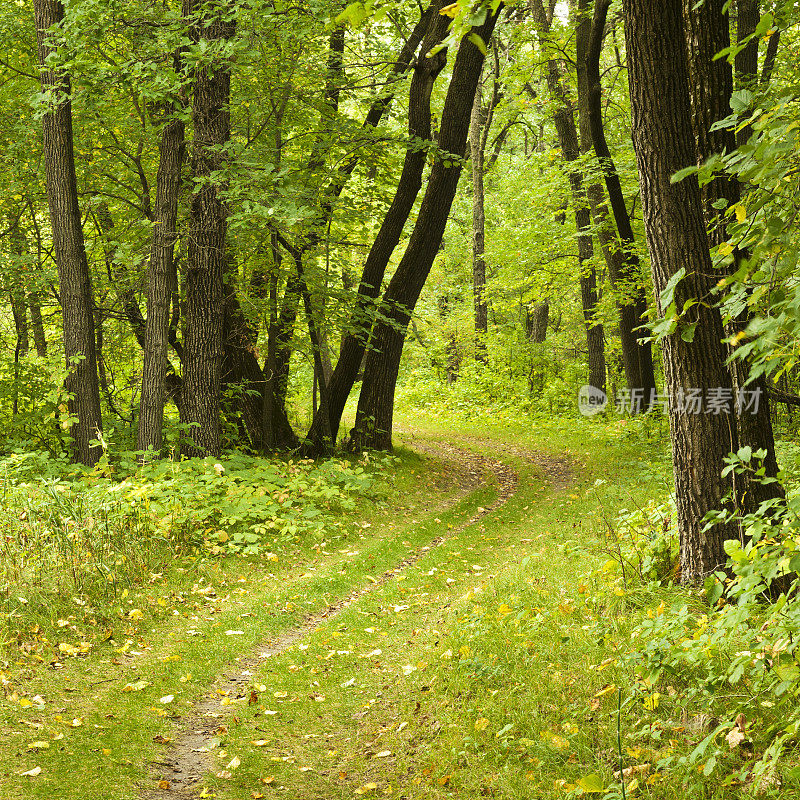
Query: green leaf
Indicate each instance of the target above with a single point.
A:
(683, 173)
(591, 783)
(668, 293)
(478, 42)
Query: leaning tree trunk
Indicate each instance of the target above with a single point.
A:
(711, 87)
(623, 264)
(373, 428)
(203, 341)
(161, 280)
(564, 122)
(74, 280)
(362, 317)
(39, 338)
(673, 215)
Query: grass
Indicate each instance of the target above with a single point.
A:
(491, 667)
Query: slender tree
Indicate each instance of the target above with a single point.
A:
(373, 428)
(426, 70)
(618, 245)
(162, 279)
(75, 284)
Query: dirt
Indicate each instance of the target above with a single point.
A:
(179, 775)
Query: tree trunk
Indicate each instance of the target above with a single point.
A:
(361, 319)
(536, 321)
(676, 236)
(373, 426)
(161, 280)
(39, 339)
(203, 340)
(16, 289)
(623, 264)
(746, 60)
(711, 86)
(477, 122)
(564, 121)
(70, 253)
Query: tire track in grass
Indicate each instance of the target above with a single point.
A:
(180, 773)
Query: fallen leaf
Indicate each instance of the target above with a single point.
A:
(32, 773)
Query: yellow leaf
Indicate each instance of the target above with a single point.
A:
(606, 690)
(591, 783)
(38, 745)
(481, 724)
(367, 787)
(651, 702)
(725, 249)
(135, 614)
(450, 11)
(741, 212)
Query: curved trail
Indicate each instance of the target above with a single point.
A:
(181, 771)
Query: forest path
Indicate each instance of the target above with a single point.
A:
(190, 759)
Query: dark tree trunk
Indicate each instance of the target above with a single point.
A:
(623, 264)
(162, 280)
(537, 319)
(676, 236)
(16, 291)
(477, 123)
(564, 121)
(118, 274)
(746, 60)
(203, 339)
(711, 86)
(373, 428)
(70, 253)
(363, 314)
(37, 324)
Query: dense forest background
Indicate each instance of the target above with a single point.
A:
(240, 237)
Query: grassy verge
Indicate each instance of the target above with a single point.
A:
(89, 723)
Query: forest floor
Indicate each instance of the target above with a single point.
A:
(447, 650)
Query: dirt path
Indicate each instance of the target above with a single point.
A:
(190, 757)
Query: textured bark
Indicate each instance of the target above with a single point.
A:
(746, 60)
(567, 132)
(68, 243)
(478, 122)
(118, 274)
(19, 305)
(362, 317)
(39, 338)
(203, 337)
(162, 279)
(711, 86)
(536, 321)
(676, 236)
(373, 428)
(623, 264)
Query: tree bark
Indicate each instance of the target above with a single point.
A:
(711, 86)
(478, 121)
(362, 317)
(70, 252)
(162, 277)
(39, 338)
(373, 428)
(623, 264)
(203, 336)
(676, 236)
(567, 132)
